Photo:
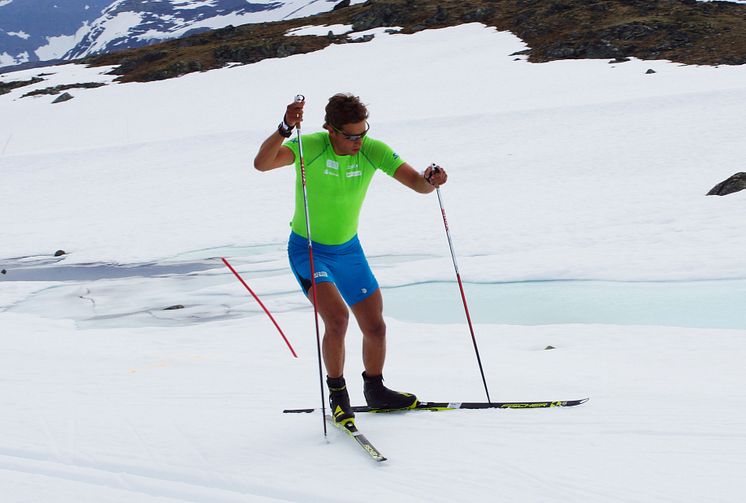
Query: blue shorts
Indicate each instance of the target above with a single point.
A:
(344, 265)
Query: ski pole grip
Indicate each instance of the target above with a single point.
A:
(435, 168)
(299, 98)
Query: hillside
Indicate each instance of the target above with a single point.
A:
(683, 31)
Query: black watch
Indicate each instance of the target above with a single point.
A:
(285, 130)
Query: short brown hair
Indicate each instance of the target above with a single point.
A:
(344, 108)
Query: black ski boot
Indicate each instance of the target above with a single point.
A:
(379, 396)
(339, 400)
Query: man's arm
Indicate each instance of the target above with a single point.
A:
(272, 154)
(419, 182)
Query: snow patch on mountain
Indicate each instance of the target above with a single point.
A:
(19, 34)
(57, 47)
(193, 4)
(6, 59)
(336, 29)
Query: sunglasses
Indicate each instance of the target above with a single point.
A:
(352, 137)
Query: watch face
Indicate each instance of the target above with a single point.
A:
(283, 131)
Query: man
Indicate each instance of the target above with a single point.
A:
(340, 163)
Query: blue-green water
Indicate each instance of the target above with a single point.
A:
(699, 304)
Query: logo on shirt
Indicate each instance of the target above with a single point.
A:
(331, 165)
(353, 170)
(396, 156)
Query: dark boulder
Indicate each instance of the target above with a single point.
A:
(63, 97)
(733, 184)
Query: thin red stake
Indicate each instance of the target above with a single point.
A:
(261, 304)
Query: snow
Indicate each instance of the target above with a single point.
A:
(19, 34)
(57, 46)
(113, 28)
(323, 30)
(192, 4)
(6, 59)
(383, 30)
(571, 170)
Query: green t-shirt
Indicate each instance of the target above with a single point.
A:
(336, 185)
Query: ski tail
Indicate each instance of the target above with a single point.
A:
(351, 430)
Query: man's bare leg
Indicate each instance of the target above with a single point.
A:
(334, 313)
(369, 316)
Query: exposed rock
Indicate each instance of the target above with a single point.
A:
(342, 5)
(6, 87)
(618, 60)
(173, 308)
(3, 271)
(59, 253)
(733, 184)
(364, 38)
(58, 89)
(549, 347)
(63, 97)
(380, 14)
(480, 14)
(650, 71)
(440, 17)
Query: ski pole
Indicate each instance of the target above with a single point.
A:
(261, 304)
(298, 99)
(435, 169)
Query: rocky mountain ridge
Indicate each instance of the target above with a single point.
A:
(684, 31)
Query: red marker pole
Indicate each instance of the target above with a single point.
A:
(290, 347)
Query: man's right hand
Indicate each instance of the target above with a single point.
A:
(294, 113)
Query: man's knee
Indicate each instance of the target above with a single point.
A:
(376, 330)
(335, 324)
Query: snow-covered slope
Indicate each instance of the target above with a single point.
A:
(566, 170)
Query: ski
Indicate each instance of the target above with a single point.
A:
(350, 429)
(439, 406)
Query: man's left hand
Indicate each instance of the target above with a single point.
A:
(435, 175)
